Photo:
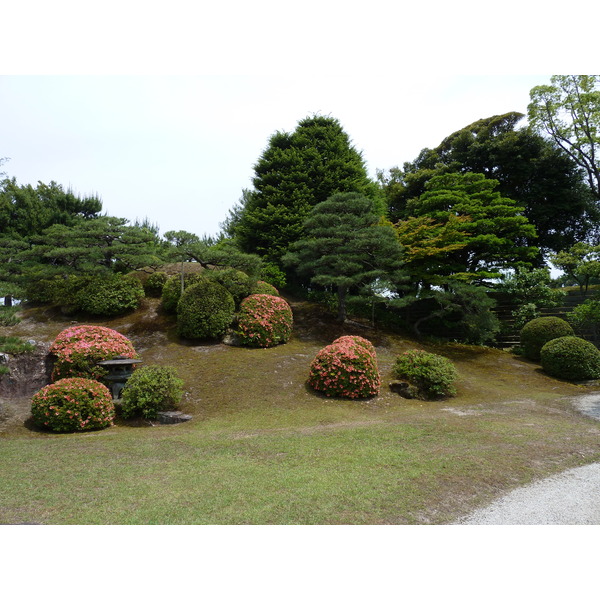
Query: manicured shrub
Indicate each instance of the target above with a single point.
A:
(110, 296)
(237, 283)
(264, 321)
(171, 292)
(151, 389)
(541, 330)
(77, 350)
(205, 310)
(73, 404)
(432, 374)
(262, 287)
(347, 368)
(154, 284)
(272, 274)
(571, 358)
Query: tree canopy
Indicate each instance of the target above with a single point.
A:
(569, 111)
(529, 169)
(296, 172)
(474, 231)
(346, 245)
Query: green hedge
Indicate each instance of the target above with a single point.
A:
(539, 331)
(205, 310)
(432, 374)
(571, 358)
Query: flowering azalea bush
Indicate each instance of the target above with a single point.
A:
(77, 350)
(264, 321)
(262, 287)
(432, 374)
(73, 404)
(347, 368)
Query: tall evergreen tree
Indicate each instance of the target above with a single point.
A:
(296, 172)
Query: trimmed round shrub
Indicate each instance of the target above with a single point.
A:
(264, 321)
(154, 284)
(272, 274)
(77, 350)
(262, 287)
(73, 404)
(347, 368)
(433, 375)
(237, 283)
(151, 389)
(539, 331)
(205, 311)
(110, 296)
(571, 358)
(171, 292)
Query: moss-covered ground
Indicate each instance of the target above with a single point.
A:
(264, 449)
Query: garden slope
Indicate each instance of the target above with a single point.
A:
(401, 461)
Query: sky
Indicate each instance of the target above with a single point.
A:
(179, 150)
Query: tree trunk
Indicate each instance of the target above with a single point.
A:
(341, 293)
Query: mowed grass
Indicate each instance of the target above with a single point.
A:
(264, 449)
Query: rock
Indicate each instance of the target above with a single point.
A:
(404, 389)
(4, 358)
(171, 417)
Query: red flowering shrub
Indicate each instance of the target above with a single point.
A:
(264, 321)
(78, 349)
(347, 368)
(262, 287)
(73, 404)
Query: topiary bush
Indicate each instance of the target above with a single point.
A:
(264, 321)
(151, 389)
(171, 292)
(539, 331)
(205, 310)
(571, 358)
(347, 368)
(237, 283)
(73, 404)
(432, 374)
(154, 284)
(110, 296)
(77, 350)
(262, 287)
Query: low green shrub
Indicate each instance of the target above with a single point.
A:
(237, 283)
(171, 292)
(347, 368)
(262, 287)
(205, 310)
(151, 389)
(273, 275)
(73, 404)
(539, 331)
(154, 284)
(432, 374)
(77, 350)
(14, 345)
(110, 296)
(264, 321)
(571, 358)
(8, 316)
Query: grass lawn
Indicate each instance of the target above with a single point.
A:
(263, 449)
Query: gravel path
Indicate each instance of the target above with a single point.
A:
(571, 498)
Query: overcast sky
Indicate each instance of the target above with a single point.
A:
(180, 149)
(162, 110)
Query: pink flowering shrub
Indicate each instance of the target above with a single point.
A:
(264, 321)
(77, 350)
(347, 368)
(73, 404)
